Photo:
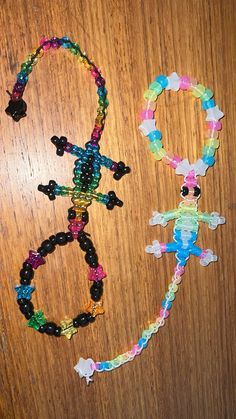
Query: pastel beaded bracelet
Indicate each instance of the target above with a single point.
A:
(87, 174)
(186, 215)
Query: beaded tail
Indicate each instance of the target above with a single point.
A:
(86, 367)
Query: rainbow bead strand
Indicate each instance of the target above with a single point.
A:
(186, 215)
(87, 174)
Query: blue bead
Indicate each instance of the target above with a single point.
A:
(166, 304)
(162, 80)
(65, 42)
(207, 104)
(170, 247)
(142, 343)
(209, 160)
(22, 77)
(155, 135)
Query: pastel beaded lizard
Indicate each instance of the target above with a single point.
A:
(186, 215)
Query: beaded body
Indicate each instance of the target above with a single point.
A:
(87, 174)
(187, 215)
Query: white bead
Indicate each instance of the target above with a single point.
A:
(214, 114)
(173, 82)
(155, 249)
(200, 167)
(208, 258)
(84, 369)
(147, 126)
(216, 219)
(157, 218)
(183, 168)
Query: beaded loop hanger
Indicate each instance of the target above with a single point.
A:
(186, 215)
(87, 174)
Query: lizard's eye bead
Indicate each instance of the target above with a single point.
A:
(184, 191)
(197, 191)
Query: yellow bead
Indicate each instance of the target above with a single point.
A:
(198, 90)
(67, 328)
(150, 95)
(213, 142)
(160, 154)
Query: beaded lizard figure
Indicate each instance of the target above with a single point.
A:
(86, 180)
(187, 215)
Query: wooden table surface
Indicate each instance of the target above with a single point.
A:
(188, 370)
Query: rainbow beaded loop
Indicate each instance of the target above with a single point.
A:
(187, 215)
(87, 175)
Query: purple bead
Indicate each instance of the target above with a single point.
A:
(35, 259)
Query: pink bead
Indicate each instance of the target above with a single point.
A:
(96, 274)
(164, 313)
(184, 83)
(35, 259)
(46, 42)
(147, 114)
(76, 226)
(68, 147)
(163, 247)
(175, 161)
(215, 125)
(203, 254)
(179, 270)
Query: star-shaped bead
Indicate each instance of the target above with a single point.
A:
(67, 328)
(95, 308)
(24, 291)
(35, 259)
(214, 114)
(173, 82)
(37, 320)
(147, 126)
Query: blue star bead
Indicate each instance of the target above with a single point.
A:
(24, 291)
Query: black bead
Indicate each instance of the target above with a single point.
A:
(90, 158)
(16, 109)
(57, 331)
(29, 314)
(90, 318)
(25, 281)
(93, 264)
(53, 239)
(95, 297)
(27, 306)
(86, 244)
(42, 251)
(91, 250)
(84, 188)
(85, 216)
(82, 319)
(27, 265)
(71, 214)
(42, 328)
(197, 191)
(48, 246)
(61, 238)
(69, 237)
(91, 258)
(81, 236)
(110, 205)
(21, 301)
(76, 322)
(50, 328)
(184, 191)
(84, 168)
(27, 273)
(55, 140)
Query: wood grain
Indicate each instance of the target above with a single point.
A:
(188, 370)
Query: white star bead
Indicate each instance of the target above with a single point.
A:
(214, 114)
(147, 126)
(157, 218)
(84, 369)
(200, 167)
(173, 82)
(183, 168)
(208, 258)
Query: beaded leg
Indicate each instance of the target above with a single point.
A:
(206, 256)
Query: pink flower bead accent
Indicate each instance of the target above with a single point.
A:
(164, 313)
(217, 125)
(184, 83)
(163, 247)
(147, 114)
(96, 274)
(47, 43)
(75, 227)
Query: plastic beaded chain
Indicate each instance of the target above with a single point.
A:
(87, 174)
(186, 215)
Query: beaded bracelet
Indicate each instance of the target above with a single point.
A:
(187, 215)
(87, 174)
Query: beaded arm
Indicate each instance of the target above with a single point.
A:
(186, 215)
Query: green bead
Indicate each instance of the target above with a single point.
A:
(155, 145)
(37, 320)
(156, 87)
